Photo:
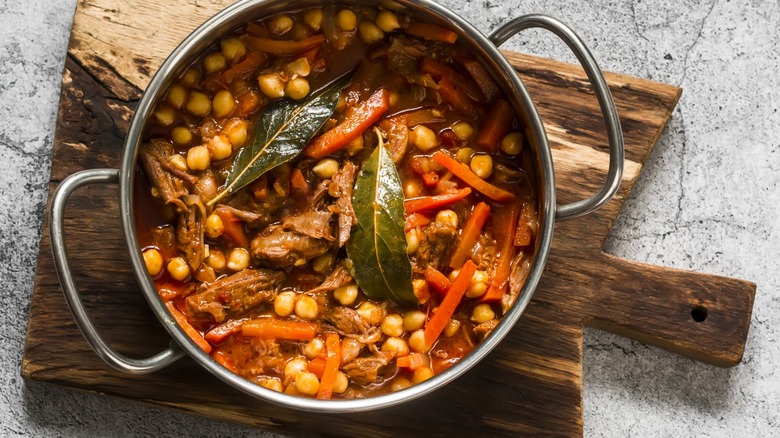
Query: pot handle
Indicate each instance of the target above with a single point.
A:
(604, 96)
(56, 225)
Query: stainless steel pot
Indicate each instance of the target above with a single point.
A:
(246, 10)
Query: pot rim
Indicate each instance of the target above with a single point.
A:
(508, 81)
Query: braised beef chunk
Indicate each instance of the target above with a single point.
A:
(312, 223)
(189, 232)
(484, 329)
(164, 238)
(347, 322)
(234, 295)
(341, 189)
(277, 248)
(338, 277)
(403, 54)
(256, 212)
(365, 370)
(436, 246)
(168, 183)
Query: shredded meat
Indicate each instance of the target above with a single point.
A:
(189, 232)
(341, 189)
(257, 213)
(277, 248)
(338, 277)
(365, 370)
(168, 183)
(235, 294)
(164, 238)
(436, 246)
(347, 322)
(312, 223)
(484, 329)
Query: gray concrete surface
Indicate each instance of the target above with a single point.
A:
(707, 201)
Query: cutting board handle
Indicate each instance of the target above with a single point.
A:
(705, 317)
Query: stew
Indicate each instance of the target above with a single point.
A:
(333, 203)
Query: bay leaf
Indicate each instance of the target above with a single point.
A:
(377, 246)
(281, 133)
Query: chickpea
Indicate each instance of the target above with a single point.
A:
(271, 85)
(300, 31)
(236, 131)
(198, 158)
(482, 313)
(223, 104)
(371, 312)
(294, 367)
(512, 144)
(464, 155)
(413, 320)
(299, 67)
(421, 291)
(314, 348)
(272, 383)
(179, 162)
(280, 24)
(313, 18)
(214, 226)
(346, 295)
(452, 327)
(370, 33)
(220, 147)
(412, 241)
(216, 260)
(153, 261)
(198, 104)
(323, 263)
(350, 349)
(284, 303)
(181, 135)
(214, 62)
(413, 188)
(399, 384)
(191, 77)
(326, 168)
(478, 285)
(177, 95)
(453, 275)
(417, 341)
(178, 269)
(447, 217)
(165, 115)
(463, 130)
(297, 88)
(232, 49)
(292, 390)
(393, 325)
(307, 383)
(341, 384)
(387, 21)
(482, 165)
(421, 374)
(238, 259)
(306, 307)
(355, 146)
(397, 346)
(424, 138)
(346, 20)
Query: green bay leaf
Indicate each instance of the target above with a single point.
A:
(281, 133)
(377, 246)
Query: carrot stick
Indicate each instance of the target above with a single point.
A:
(464, 173)
(416, 220)
(412, 361)
(456, 98)
(359, 119)
(437, 70)
(450, 302)
(469, 235)
(270, 328)
(438, 281)
(252, 62)
(430, 179)
(224, 360)
(219, 333)
(195, 335)
(283, 47)
(316, 366)
(234, 228)
(425, 203)
(504, 229)
(497, 123)
(298, 182)
(332, 363)
(248, 103)
(431, 32)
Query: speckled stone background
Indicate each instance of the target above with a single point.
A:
(708, 200)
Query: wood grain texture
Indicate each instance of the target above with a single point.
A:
(534, 378)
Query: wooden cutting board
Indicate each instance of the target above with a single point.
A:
(530, 384)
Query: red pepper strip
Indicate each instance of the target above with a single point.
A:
(469, 235)
(284, 47)
(450, 302)
(497, 123)
(425, 203)
(504, 230)
(188, 328)
(416, 220)
(438, 281)
(464, 173)
(252, 62)
(361, 117)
